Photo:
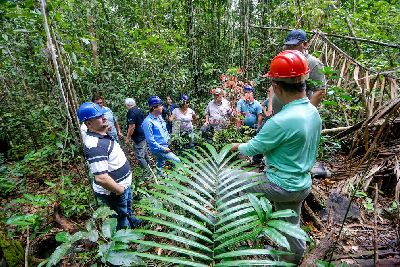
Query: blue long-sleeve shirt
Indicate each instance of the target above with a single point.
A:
(156, 133)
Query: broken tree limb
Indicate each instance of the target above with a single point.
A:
(310, 213)
(62, 222)
(335, 130)
(319, 252)
(333, 35)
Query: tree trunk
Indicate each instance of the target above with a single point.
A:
(246, 37)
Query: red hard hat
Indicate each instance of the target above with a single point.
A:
(288, 64)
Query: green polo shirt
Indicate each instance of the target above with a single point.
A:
(289, 140)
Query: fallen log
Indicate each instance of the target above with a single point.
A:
(319, 252)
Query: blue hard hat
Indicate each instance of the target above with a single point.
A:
(89, 110)
(248, 88)
(154, 101)
(295, 36)
(184, 98)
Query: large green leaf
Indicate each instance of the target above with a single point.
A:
(109, 227)
(103, 213)
(126, 236)
(283, 214)
(257, 207)
(276, 237)
(289, 229)
(123, 258)
(58, 254)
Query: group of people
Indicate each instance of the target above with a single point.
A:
(288, 141)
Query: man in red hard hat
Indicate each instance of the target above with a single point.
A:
(289, 142)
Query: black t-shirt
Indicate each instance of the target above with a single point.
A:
(136, 116)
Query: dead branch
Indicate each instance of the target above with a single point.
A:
(319, 252)
(62, 222)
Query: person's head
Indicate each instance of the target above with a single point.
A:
(155, 105)
(98, 99)
(184, 101)
(288, 71)
(92, 115)
(130, 103)
(248, 91)
(296, 40)
(218, 94)
(168, 100)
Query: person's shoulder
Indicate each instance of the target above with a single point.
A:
(313, 61)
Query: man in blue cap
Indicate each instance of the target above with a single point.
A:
(109, 165)
(157, 136)
(249, 108)
(315, 85)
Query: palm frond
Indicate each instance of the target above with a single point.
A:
(206, 220)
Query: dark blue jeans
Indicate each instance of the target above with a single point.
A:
(122, 205)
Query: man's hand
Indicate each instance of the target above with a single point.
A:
(120, 135)
(235, 147)
(167, 150)
(120, 190)
(269, 113)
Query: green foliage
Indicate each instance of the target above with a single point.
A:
(112, 246)
(366, 200)
(232, 135)
(7, 183)
(203, 219)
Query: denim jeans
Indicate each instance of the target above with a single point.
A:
(162, 158)
(140, 150)
(122, 205)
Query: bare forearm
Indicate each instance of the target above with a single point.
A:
(109, 184)
(316, 97)
(131, 129)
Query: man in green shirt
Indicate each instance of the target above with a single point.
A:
(289, 142)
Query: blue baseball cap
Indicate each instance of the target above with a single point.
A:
(295, 36)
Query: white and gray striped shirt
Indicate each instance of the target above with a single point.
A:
(105, 155)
